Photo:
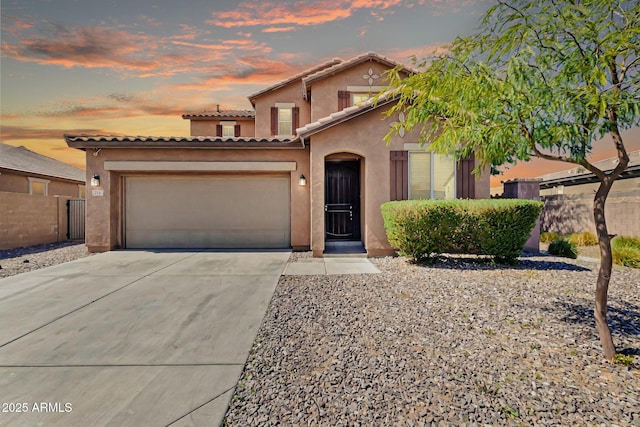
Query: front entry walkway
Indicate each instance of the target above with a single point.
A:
(131, 338)
(333, 265)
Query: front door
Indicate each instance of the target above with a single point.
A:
(342, 200)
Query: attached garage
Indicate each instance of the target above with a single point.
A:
(224, 211)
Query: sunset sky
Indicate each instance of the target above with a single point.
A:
(134, 67)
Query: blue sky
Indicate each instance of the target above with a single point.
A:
(133, 67)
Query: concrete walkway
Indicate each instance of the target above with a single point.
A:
(131, 338)
(334, 265)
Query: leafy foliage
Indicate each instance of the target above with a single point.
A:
(424, 229)
(586, 238)
(540, 79)
(548, 236)
(626, 251)
(563, 248)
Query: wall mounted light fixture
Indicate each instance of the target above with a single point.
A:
(302, 181)
(95, 181)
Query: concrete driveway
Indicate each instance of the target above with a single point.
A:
(131, 338)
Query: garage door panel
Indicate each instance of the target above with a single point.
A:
(192, 212)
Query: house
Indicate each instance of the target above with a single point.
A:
(34, 190)
(568, 199)
(307, 168)
(23, 171)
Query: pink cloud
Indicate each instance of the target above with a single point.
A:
(89, 47)
(301, 13)
(279, 29)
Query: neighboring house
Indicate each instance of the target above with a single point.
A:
(568, 197)
(34, 190)
(23, 171)
(306, 169)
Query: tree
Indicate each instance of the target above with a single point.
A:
(540, 79)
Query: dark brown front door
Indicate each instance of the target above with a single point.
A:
(342, 200)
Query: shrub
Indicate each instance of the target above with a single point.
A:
(563, 248)
(548, 236)
(626, 251)
(586, 238)
(424, 229)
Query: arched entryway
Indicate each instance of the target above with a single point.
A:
(342, 208)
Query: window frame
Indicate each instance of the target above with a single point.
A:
(38, 181)
(431, 174)
(285, 106)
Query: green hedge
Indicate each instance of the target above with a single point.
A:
(424, 229)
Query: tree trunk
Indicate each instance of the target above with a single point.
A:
(604, 274)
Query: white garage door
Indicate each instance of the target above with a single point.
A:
(207, 212)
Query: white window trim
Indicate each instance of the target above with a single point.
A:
(41, 181)
(431, 173)
(228, 123)
(290, 106)
(365, 88)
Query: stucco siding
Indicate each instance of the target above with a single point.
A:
(105, 213)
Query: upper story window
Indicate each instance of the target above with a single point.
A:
(285, 119)
(228, 129)
(356, 95)
(38, 187)
(359, 98)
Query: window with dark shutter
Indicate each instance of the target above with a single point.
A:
(295, 118)
(344, 99)
(399, 175)
(274, 120)
(218, 130)
(236, 131)
(465, 180)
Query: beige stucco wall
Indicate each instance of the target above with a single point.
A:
(324, 100)
(27, 220)
(208, 127)
(364, 138)
(104, 223)
(16, 182)
(290, 93)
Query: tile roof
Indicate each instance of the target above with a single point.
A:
(346, 114)
(369, 56)
(104, 141)
(24, 160)
(298, 76)
(579, 172)
(250, 114)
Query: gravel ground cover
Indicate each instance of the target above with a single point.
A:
(21, 260)
(459, 343)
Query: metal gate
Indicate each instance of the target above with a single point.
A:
(75, 219)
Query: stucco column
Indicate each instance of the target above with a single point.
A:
(526, 188)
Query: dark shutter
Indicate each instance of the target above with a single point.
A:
(344, 99)
(295, 119)
(236, 131)
(399, 175)
(466, 181)
(218, 130)
(274, 120)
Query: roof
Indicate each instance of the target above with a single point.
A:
(105, 141)
(222, 114)
(24, 160)
(298, 76)
(580, 175)
(329, 71)
(348, 113)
